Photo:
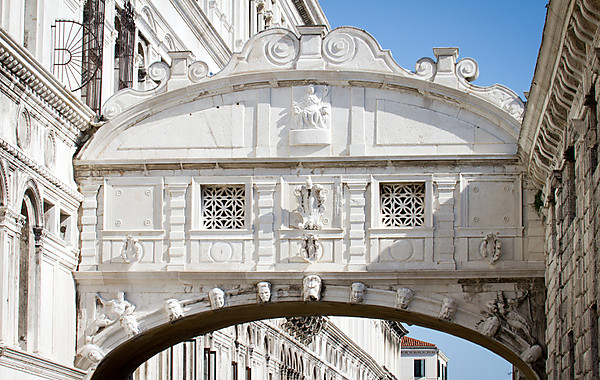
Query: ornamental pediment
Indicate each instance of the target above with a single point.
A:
(315, 95)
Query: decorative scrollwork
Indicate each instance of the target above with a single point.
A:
(159, 72)
(197, 71)
(311, 249)
(311, 199)
(425, 68)
(339, 47)
(467, 69)
(490, 248)
(281, 50)
(132, 250)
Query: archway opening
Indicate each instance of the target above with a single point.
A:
(120, 362)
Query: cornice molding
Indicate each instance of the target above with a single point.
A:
(202, 28)
(26, 70)
(557, 93)
(45, 173)
(25, 362)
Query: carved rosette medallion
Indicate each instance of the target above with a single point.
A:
(490, 248)
(311, 199)
(132, 250)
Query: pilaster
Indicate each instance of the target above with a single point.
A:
(89, 221)
(176, 202)
(265, 240)
(11, 224)
(357, 218)
(444, 220)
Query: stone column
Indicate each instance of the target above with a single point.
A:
(265, 235)
(89, 221)
(11, 224)
(357, 217)
(35, 292)
(176, 190)
(444, 220)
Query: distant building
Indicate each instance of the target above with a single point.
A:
(422, 360)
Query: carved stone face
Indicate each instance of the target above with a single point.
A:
(217, 298)
(357, 292)
(174, 309)
(532, 354)
(404, 296)
(264, 291)
(312, 288)
(449, 307)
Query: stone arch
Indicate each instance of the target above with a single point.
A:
(124, 354)
(149, 17)
(30, 189)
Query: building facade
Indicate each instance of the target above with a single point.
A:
(559, 143)
(496, 210)
(422, 360)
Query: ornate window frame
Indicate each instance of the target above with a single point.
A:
(197, 224)
(376, 214)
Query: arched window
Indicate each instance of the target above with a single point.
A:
(26, 275)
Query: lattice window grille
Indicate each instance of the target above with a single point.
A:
(223, 207)
(402, 204)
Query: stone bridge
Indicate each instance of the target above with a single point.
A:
(317, 167)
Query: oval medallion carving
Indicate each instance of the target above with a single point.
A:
(220, 252)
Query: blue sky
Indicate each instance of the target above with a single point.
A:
(504, 38)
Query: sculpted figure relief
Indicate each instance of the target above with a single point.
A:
(217, 298)
(130, 324)
(311, 249)
(357, 292)
(264, 291)
(110, 312)
(311, 199)
(311, 288)
(174, 309)
(503, 310)
(404, 296)
(490, 248)
(311, 112)
(449, 307)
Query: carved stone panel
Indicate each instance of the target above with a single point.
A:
(401, 250)
(133, 207)
(492, 204)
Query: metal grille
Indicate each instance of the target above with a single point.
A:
(93, 44)
(223, 207)
(402, 204)
(125, 45)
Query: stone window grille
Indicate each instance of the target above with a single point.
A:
(402, 204)
(223, 207)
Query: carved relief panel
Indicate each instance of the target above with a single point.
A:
(310, 224)
(132, 215)
(491, 224)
